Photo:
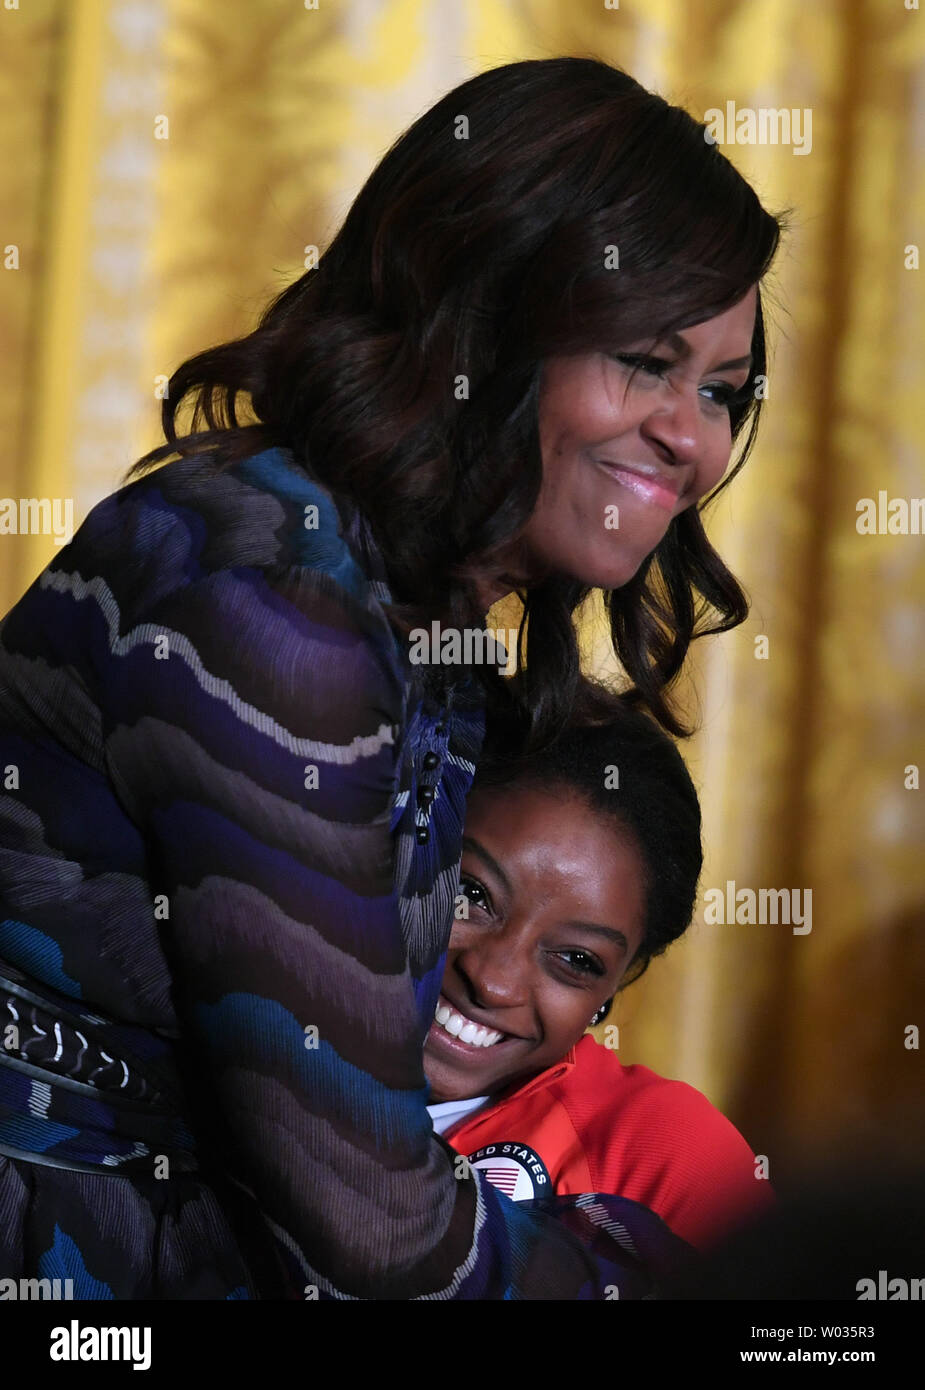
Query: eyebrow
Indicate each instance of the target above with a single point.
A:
(611, 932)
(682, 348)
(617, 937)
(482, 853)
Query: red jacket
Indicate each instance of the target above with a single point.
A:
(589, 1124)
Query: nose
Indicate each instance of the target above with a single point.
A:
(673, 423)
(494, 972)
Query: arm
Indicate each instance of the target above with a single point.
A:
(285, 943)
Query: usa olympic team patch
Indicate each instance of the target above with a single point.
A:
(515, 1169)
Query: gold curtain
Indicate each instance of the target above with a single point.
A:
(171, 162)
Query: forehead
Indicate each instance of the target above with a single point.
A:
(734, 325)
(552, 845)
(723, 337)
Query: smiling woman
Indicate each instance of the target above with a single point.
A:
(580, 864)
(555, 914)
(574, 879)
(483, 262)
(647, 436)
(232, 811)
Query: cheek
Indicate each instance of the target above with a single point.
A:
(565, 1013)
(582, 410)
(716, 456)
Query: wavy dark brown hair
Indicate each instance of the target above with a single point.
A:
(476, 249)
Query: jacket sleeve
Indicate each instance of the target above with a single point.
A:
(252, 728)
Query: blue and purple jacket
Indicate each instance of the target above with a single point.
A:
(230, 824)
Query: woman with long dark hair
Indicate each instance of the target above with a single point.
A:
(233, 799)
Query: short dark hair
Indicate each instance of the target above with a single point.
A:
(655, 801)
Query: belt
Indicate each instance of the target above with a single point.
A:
(82, 1091)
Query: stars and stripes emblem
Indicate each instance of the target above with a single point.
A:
(503, 1177)
(515, 1169)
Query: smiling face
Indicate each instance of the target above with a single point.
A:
(649, 446)
(556, 902)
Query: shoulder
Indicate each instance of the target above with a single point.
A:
(680, 1154)
(261, 532)
(189, 519)
(250, 575)
(600, 1088)
(619, 1110)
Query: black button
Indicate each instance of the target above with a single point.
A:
(440, 730)
(423, 834)
(431, 760)
(426, 795)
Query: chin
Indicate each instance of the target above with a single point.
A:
(611, 571)
(446, 1087)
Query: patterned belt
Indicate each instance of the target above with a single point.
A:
(84, 1092)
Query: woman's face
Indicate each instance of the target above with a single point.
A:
(556, 904)
(621, 458)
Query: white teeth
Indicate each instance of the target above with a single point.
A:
(458, 1026)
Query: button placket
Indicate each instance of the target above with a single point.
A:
(428, 775)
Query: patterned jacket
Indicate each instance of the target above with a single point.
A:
(230, 827)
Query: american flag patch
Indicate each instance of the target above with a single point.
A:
(515, 1169)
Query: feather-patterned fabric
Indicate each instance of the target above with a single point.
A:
(225, 899)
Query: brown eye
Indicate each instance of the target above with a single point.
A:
(652, 366)
(582, 962)
(474, 891)
(724, 395)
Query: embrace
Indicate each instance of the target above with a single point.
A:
(237, 815)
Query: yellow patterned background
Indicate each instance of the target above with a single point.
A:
(123, 253)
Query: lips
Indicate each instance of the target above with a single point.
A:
(649, 484)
